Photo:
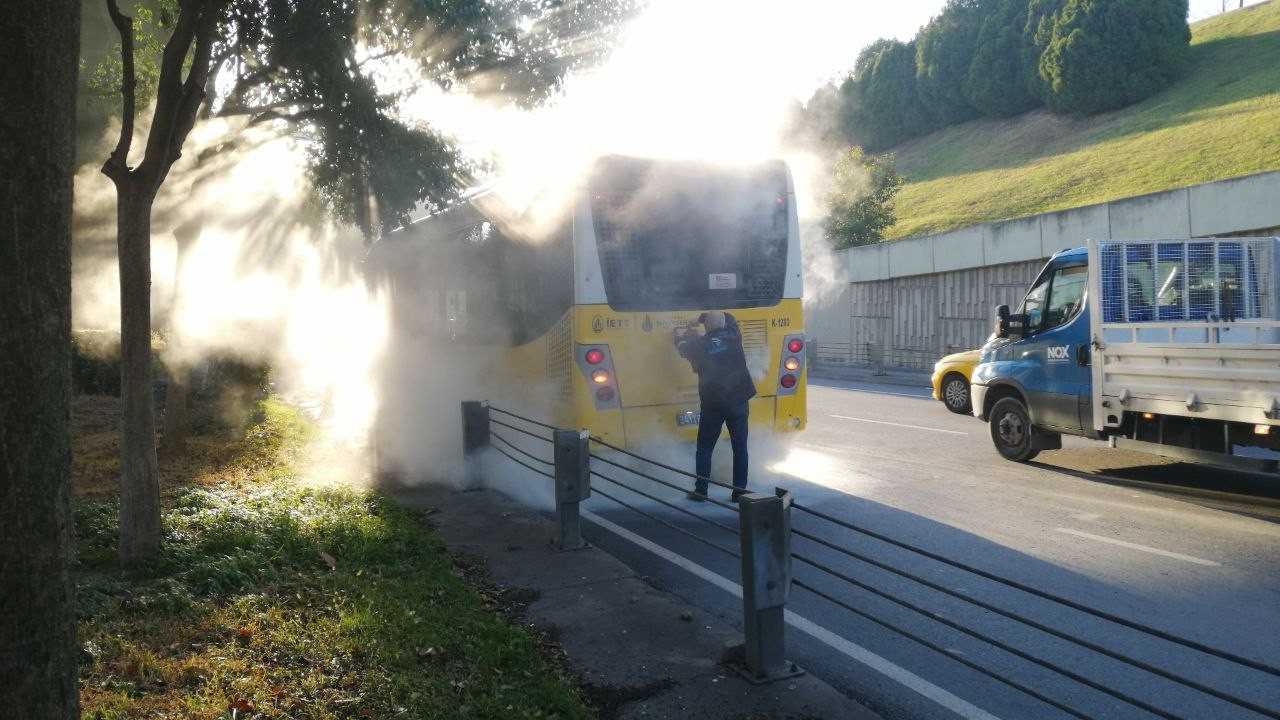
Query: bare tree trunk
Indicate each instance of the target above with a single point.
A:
(139, 474)
(177, 102)
(176, 419)
(38, 678)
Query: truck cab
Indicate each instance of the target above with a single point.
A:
(1033, 381)
(1168, 346)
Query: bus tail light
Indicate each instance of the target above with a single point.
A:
(598, 374)
(791, 364)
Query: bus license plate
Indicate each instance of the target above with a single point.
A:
(688, 418)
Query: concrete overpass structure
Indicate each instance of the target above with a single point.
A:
(910, 301)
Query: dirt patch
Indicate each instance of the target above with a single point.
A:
(610, 700)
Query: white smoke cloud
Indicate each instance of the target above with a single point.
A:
(268, 277)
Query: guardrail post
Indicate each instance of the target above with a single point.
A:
(875, 354)
(475, 436)
(573, 485)
(764, 522)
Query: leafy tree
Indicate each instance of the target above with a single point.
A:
(867, 58)
(1105, 54)
(37, 144)
(307, 66)
(860, 202)
(996, 82)
(816, 122)
(1036, 35)
(944, 53)
(849, 110)
(888, 109)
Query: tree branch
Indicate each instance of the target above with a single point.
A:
(270, 115)
(228, 110)
(155, 162)
(193, 89)
(117, 164)
(378, 56)
(235, 104)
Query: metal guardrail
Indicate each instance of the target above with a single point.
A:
(765, 534)
(875, 355)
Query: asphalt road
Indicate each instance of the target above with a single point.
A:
(1189, 550)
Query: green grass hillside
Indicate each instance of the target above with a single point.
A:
(1220, 120)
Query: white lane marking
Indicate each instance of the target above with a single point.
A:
(1143, 548)
(855, 652)
(914, 427)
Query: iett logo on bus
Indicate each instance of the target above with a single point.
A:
(599, 323)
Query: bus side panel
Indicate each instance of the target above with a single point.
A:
(536, 377)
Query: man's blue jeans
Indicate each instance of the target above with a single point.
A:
(713, 418)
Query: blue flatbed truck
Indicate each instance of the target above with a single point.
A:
(1165, 346)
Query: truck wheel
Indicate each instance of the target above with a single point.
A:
(1011, 430)
(955, 394)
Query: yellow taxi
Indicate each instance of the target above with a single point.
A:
(951, 380)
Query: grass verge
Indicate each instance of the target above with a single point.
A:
(275, 600)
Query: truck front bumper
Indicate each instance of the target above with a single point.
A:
(978, 397)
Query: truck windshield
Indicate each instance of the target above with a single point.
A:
(680, 236)
(1055, 298)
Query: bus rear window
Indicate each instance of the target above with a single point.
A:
(679, 236)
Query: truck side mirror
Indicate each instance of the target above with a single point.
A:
(1009, 325)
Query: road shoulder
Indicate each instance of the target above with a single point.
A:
(641, 652)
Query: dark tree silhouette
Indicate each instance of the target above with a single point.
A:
(38, 678)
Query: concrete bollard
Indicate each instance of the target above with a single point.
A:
(573, 485)
(764, 523)
(475, 437)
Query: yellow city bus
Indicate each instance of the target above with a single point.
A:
(578, 311)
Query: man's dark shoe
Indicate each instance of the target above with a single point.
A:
(695, 495)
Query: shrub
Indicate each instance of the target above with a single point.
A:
(996, 83)
(889, 109)
(944, 52)
(860, 203)
(1036, 34)
(1105, 54)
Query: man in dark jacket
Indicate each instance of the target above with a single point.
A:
(724, 387)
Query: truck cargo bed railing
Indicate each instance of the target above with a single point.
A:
(1186, 328)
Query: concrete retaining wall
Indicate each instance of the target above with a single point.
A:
(911, 301)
